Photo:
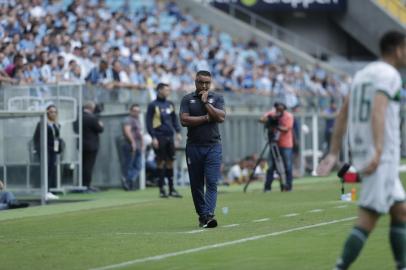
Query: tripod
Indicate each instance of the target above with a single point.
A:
(277, 158)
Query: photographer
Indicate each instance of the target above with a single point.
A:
(279, 124)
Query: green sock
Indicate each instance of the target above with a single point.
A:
(352, 247)
(397, 236)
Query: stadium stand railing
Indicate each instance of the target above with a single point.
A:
(281, 33)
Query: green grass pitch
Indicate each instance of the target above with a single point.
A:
(132, 229)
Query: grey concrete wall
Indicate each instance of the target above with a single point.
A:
(366, 21)
(318, 29)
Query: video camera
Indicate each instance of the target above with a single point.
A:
(273, 122)
(271, 126)
(99, 108)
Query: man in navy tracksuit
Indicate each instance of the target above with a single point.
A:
(201, 112)
(162, 123)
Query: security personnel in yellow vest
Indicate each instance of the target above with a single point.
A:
(162, 125)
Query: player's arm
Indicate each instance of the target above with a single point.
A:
(149, 117)
(340, 128)
(380, 104)
(128, 135)
(191, 121)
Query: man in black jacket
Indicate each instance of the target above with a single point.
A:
(162, 124)
(92, 127)
(54, 146)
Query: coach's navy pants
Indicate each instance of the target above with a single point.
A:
(204, 162)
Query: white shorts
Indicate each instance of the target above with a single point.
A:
(380, 190)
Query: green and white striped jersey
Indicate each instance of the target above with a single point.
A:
(375, 77)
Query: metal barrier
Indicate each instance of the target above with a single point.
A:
(117, 100)
(16, 156)
(108, 170)
(35, 98)
(241, 133)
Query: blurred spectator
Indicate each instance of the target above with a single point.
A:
(238, 173)
(330, 114)
(156, 41)
(100, 75)
(150, 162)
(18, 63)
(260, 170)
(8, 199)
(133, 147)
(297, 133)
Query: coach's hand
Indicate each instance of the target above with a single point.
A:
(204, 96)
(326, 165)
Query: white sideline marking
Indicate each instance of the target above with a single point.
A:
(150, 233)
(219, 245)
(261, 220)
(195, 231)
(341, 206)
(231, 225)
(291, 215)
(316, 210)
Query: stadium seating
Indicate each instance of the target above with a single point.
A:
(144, 44)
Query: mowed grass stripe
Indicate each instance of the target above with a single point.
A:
(219, 245)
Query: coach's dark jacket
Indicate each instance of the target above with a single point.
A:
(91, 131)
(53, 131)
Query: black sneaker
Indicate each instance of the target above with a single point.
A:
(124, 184)
(211, 222)
(175, 194)
(162, 193)
(17, 204)
(202, 221)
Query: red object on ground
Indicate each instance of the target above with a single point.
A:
(350, 177)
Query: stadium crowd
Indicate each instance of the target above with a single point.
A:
(46, 41)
